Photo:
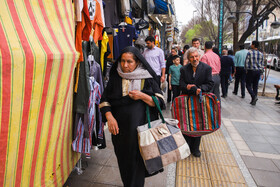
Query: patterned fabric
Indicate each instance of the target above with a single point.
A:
(38, 58)
(161, 145)
(197, 115)
(254, 61)
(85, 129)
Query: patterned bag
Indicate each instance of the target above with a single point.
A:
(197, 115)
(161, 142)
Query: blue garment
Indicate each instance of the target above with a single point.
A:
(123, 37)
(240, 57)
(254, 61)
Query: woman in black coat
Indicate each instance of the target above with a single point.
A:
(195, 77)
(131, 84)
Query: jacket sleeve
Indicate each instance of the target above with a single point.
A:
(208, 83)
(104, 105)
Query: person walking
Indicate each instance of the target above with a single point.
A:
(156, 59)
(254, 65)
(169, 62)
(213, 60)
(174, 77)
(195, 77)
(227, 69)
(196, 44)
(239, 73)
(123, 105)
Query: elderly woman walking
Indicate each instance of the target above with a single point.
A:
(131, 84)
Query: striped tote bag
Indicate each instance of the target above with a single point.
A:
(197, 114)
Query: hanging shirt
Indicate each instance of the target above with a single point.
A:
(87, 123)
(104, 43)
(111, 12)
(97, 22)
(123, 37)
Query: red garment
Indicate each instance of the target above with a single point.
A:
(97, 23)
(213, 60)
(88, 24)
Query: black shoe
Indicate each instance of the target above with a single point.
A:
(224, 96)
(196, 154)
(234, 93)
(254, 101)
(243, 96)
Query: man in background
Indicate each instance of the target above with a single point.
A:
(169, 62)
(213, 60)
(196, 44)
(155, 57)
(227, 69)
(254, 66)
(240, 74)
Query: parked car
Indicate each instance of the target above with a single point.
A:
(277, 66)
(272, 60)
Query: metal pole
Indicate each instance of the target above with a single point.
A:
(220, 25)
(257, 31)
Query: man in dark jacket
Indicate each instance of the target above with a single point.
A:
(227, 69)
(195, 77)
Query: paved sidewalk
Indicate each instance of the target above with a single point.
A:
(244, 152)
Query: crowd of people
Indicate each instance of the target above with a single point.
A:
(135, 77)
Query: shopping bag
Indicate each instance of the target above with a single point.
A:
(197, 114)
(161, 142)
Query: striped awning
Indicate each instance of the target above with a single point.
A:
(37, 58)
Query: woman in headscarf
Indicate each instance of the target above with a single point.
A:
(131, 84)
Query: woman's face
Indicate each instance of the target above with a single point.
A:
(128, 64)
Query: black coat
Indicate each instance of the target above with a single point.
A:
(202, 78)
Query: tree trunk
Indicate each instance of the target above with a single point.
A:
(235, 37)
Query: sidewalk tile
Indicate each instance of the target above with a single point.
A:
(226, 173)
(263, 126)
(277, 163)
(266, 155)
(260, 163)
(221, 159)
(241, 145)
(244, 131)
(201, 159)
(109, 176)
(100, 185)
(192, 169)
(232, 129)
(277, 147)
(157, 180)
(255, 139)
(272, 133)
(182, 181)
(266, 178)
(112, 161)
(236, 136)
(245, 153)
(262, 147)
(273, 140)
(227, 184)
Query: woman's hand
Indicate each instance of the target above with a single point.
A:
(112, 123)
(198, 91)
(136, 94)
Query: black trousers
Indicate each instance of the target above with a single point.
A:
(252, 82)
(240, 76)
(168, 90)
(216, 88)
(224, 83)
(158, 80)
(175, 91)
(193, 143)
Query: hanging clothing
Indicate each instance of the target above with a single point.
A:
(123, 37)
(87, 123)
(88, 25)
(97, 22)
(111, 12)
(104, 43)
